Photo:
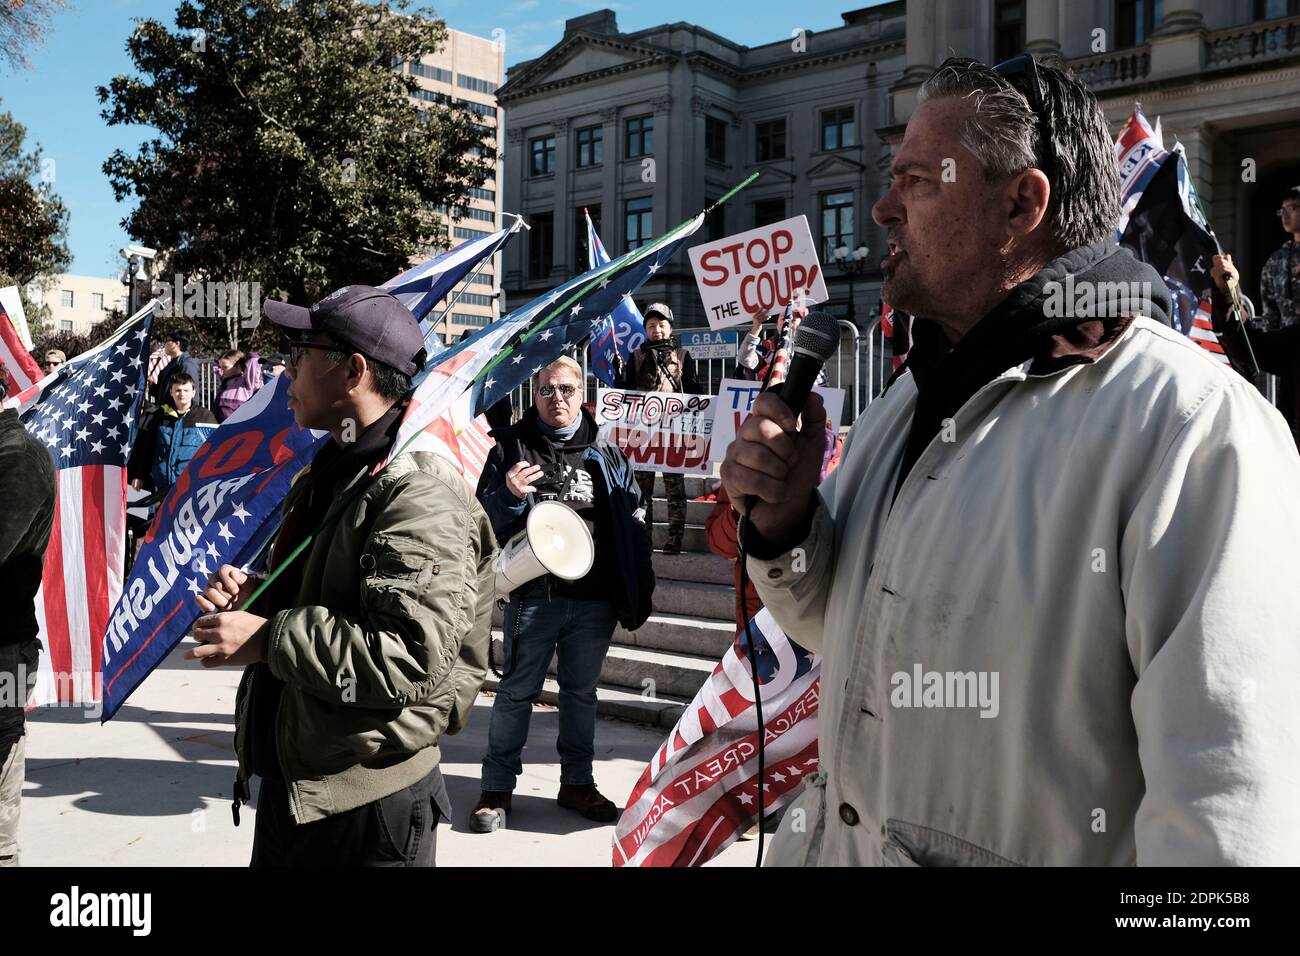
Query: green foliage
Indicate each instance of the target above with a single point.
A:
(33, 219)
(288, 152)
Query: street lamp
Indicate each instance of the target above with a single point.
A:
(852, 263)
(139, 269)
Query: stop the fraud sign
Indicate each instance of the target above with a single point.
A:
(761, 270)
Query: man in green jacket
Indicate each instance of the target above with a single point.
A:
(373, 642)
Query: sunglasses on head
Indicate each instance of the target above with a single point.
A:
(566, 390)
(1022, 73)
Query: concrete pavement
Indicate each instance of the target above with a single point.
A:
(151, 787)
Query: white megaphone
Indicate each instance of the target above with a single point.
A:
(554, 541)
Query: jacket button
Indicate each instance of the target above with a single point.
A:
(848, 814)
(774, 573)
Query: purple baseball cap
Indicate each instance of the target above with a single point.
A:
(370, 320)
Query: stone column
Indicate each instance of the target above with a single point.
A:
(1178, 46)
(513, 199)
(1043, 30)
(562, 250)
(920, 55)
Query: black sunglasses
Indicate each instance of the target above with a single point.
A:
(1024, 68)
(298, 349)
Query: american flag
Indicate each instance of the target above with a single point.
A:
(700, 790)
(422, 287)
(86, 416)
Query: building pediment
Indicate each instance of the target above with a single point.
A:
(836, 166)
(581, 58)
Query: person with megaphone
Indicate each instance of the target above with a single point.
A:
(576, 560)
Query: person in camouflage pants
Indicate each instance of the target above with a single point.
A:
(661, 365)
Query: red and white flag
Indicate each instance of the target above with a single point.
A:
(700, 791)
(22, 368)
(85, 415)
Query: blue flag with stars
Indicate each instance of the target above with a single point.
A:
(506, 353)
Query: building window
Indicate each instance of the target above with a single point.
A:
(483, 278)
(464, 232)
(97, 301)
(715, 139)
(479, 108)
(715, 223)
(431, 72)
(769, 140)
(837, 222)
(1135, 21)
(768, 211)
(639, 133)
(590, 144)
(65, 325)
(1267, 9)
(475, 298)
(541, 240)
(637, 222)
(1008, 29)
(65, 298)
(542, 156)
(838, 128)
(475, 84)
(483, 215)
(475, 321)
(580, 255)
(476, 192)
(429, 96)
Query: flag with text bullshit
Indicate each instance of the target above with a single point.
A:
(223, 510)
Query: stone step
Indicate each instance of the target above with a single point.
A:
(702, 568)
(696, 485)
(681, 634)
(639, 669)
(661, 712)
(715, 601)
(697, 512)
(693, 537)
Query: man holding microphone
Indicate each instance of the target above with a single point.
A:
(1051, 582)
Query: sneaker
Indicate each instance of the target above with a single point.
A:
(586, 799)
(490, 812)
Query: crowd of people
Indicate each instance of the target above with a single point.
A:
(1086, 511)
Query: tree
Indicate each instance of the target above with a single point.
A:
(33, 219)
(289, 152)
(22, 25)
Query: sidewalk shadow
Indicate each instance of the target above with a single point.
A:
(133, 787)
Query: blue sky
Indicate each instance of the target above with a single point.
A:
(55, 97)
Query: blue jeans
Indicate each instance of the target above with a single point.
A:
(535, 628)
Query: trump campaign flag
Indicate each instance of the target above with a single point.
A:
(700, 790)
(1139, 151)
(85, 414)
(223, 510)
(619, 333)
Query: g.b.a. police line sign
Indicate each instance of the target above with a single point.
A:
(703, 344)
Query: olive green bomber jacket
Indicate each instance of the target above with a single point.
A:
(387, 644)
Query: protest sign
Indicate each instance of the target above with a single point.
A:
(736, 397)
(761, 270)
(704, 345)
(658, 431)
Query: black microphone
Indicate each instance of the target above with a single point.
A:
(815, 342)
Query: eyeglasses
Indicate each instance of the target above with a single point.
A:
(1286, 208)
(298, 349)
(1025, 69)
(50, 364)
(548, 391)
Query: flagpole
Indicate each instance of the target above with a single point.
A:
(643, 252)
(1233, 290)
(468, 280)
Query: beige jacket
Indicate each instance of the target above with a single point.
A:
(1103, 568)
